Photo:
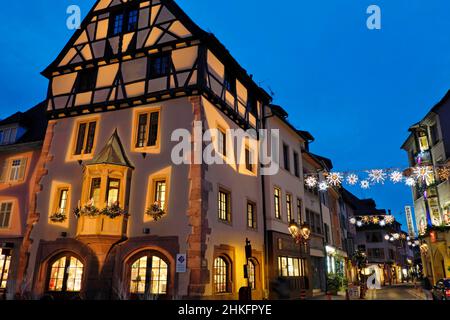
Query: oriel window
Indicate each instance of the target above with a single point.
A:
(95, 191)
(85, 138)
(113, 191)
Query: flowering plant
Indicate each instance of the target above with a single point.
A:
(88, 210)
(58, 217)
(113, 210)
(155, 211)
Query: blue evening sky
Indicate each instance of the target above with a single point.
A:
(357, 91)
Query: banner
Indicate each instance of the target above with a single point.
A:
(409, 221)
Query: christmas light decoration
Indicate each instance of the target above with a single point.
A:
(335, 179)
(366, 219)
(396, 176)
(352, 179)
(410, 182)
(365, 184)
(389, 219)
(423, 172)
(311, 182)
(375, 220)
(323, 186)
(359, 223)
(352, 220)
(444, 173)
(382, 223)
(377, 176)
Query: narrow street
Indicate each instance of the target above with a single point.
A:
(397, 292)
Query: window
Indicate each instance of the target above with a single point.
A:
(95, 191)
(113, 191)
(160, 193)
(296, 165)
(5, 262)
(374, 237)
(252, 105)
(221, 277)
(289, 207)
(132, 20)
(159, 66)
(327, 232)
(117, 25)
(85, 138)
(8, 136)
(149, 275)
(86, 80)
(291, 267)
(66, 275)
(5, 214)
(287, 164)
(230, 83)
(277, 204)
(315, 221)
(222, 142)
(251, 274)
(62, 200)
(224, 206)
(299, 210)
(248, 159)
(375, 253)
(251, 215)
(148, 129)
(434, 134)
(15, 169)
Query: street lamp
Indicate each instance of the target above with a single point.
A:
(301, 235)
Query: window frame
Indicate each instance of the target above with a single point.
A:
(63, 291)
(252, 222)
(150, 254)
(78, 149)
(286, 158)
(86, 80)
(222, 142)
(165, 60)
(5, 225)
(249, 166)
(289, 211)
(143, 133)
(5, 268)
(230, 82)
(296, 164)
(228, 204)
(12, 135)
(227, 265)
(156, 194)
(277, 202)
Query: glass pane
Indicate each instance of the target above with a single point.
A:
(158, 282)
(75, 274)
(220, 275)
(138, 276)
(57, 275)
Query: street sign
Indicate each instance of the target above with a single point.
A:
(181, 263)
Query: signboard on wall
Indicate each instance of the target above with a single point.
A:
(409, 221)
(181, 263)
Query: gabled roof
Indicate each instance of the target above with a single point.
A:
(112, 153)
(197, 33)
(33, 120)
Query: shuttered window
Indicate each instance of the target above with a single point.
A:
(5, 214)
(13, 170)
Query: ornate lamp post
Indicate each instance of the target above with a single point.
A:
(301, 234)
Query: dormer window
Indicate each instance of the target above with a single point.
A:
(8, 136)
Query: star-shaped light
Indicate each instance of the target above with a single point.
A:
(410, 182)
(365, 184)
(423, 172)
(352, 179)
(377, 176)
(335, 179)
(389, 219)
(396, 176)
(311, 182)
(323, 186)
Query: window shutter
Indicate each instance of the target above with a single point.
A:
(90, 137)
(22, 169)
(4, 168)
(153, 130)
(80, 139)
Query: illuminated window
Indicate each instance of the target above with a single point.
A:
(63, 199)
(147, 129)
(299, 210)
(291, 267)
(224, 206)
(251, 215)
(5, 262)
(66, 275)
(251, 274)
(159, 66)
(160, 193)
(85, 138)
(277, 204)
(5, 214)
(423, 141)
(289, 207)
(113, 191)
(95, 191)
(149, 275)
(221, 275)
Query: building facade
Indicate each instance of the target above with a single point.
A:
(428, 146)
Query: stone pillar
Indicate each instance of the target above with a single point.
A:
(197, 213)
